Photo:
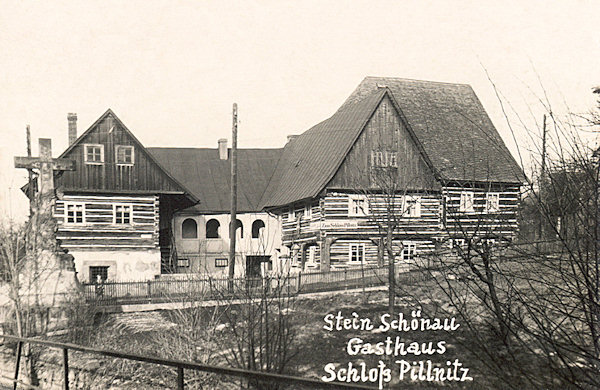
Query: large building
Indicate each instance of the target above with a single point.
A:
(418, 160)
(417, 164)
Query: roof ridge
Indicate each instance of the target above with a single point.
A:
(414, 80)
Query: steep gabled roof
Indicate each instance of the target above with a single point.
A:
(310, 160)
(139, 146)
(451, 125)
(447, 122)
(208, 176)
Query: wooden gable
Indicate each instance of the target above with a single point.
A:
(109, 158)
(384, 149)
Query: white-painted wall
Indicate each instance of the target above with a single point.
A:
(122, 265)
(203, 251)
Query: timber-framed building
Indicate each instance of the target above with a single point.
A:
(422, 157)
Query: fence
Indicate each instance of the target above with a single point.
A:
(161, 290)
(256, 379)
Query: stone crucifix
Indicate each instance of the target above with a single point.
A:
(49, 275)
(42, 204)
(46, 166)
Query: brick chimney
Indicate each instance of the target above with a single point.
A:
(223, 148)
(72, 118)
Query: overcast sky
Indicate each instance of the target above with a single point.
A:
(172, 69)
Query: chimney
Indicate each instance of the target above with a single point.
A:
(290, 138)
(72, 118)
(223, 148)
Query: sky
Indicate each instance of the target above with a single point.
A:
(171, 70)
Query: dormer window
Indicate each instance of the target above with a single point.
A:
(93, 153)
(124, 155)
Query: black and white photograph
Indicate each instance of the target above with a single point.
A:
(299, 194)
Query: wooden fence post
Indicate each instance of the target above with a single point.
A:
(66, 368)
(18, 363)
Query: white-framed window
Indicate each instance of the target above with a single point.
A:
(183, 262)
(356, 253)
(308, 211)
(122, 214)
(93, 153)
(222, 262)
(412, 206)
(393, 159)
(466, 201)
(456, 243)
(124, 155)
(358, 206)
(74, 213)
(312, 256)
(291, 214)
(492, 202)
(409, 250)
(382, 159)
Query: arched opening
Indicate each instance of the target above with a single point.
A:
(189, 229)
(257, 226)
(212, 228)
(239, 225)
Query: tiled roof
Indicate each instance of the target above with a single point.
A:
(452, 126)
(310, 160)
(208, 177)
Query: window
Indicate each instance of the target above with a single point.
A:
(357, 206)
(456, 243)
(492, 202)
(93, 153)
(409, 250)
(393, 159)
(291, 214)
(74, 213)
(357, 253)
(219, 263)
(98, 274)
(239, 225)
(124, 155)
(189, 229)
(308, 211)
(382, 159)
(257, 227)
(122, 214)
(466, 201)
(312, 256)
(412, 206)
(212, 228)
(183, 262)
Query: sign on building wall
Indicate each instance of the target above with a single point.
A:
(336, 224)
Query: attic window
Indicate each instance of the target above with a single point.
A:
(466, 201)
(93, 153)
(384, 159)
(124, 155)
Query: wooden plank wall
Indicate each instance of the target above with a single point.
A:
(384, 132)
(479, 222)
(100, 233)
(297, 230)
(334, 207)
(143, 175)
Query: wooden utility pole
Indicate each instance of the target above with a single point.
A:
(542, 180)
(232, 223)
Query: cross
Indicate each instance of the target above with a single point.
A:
(46, 166)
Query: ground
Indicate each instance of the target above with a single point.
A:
(156, 334)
